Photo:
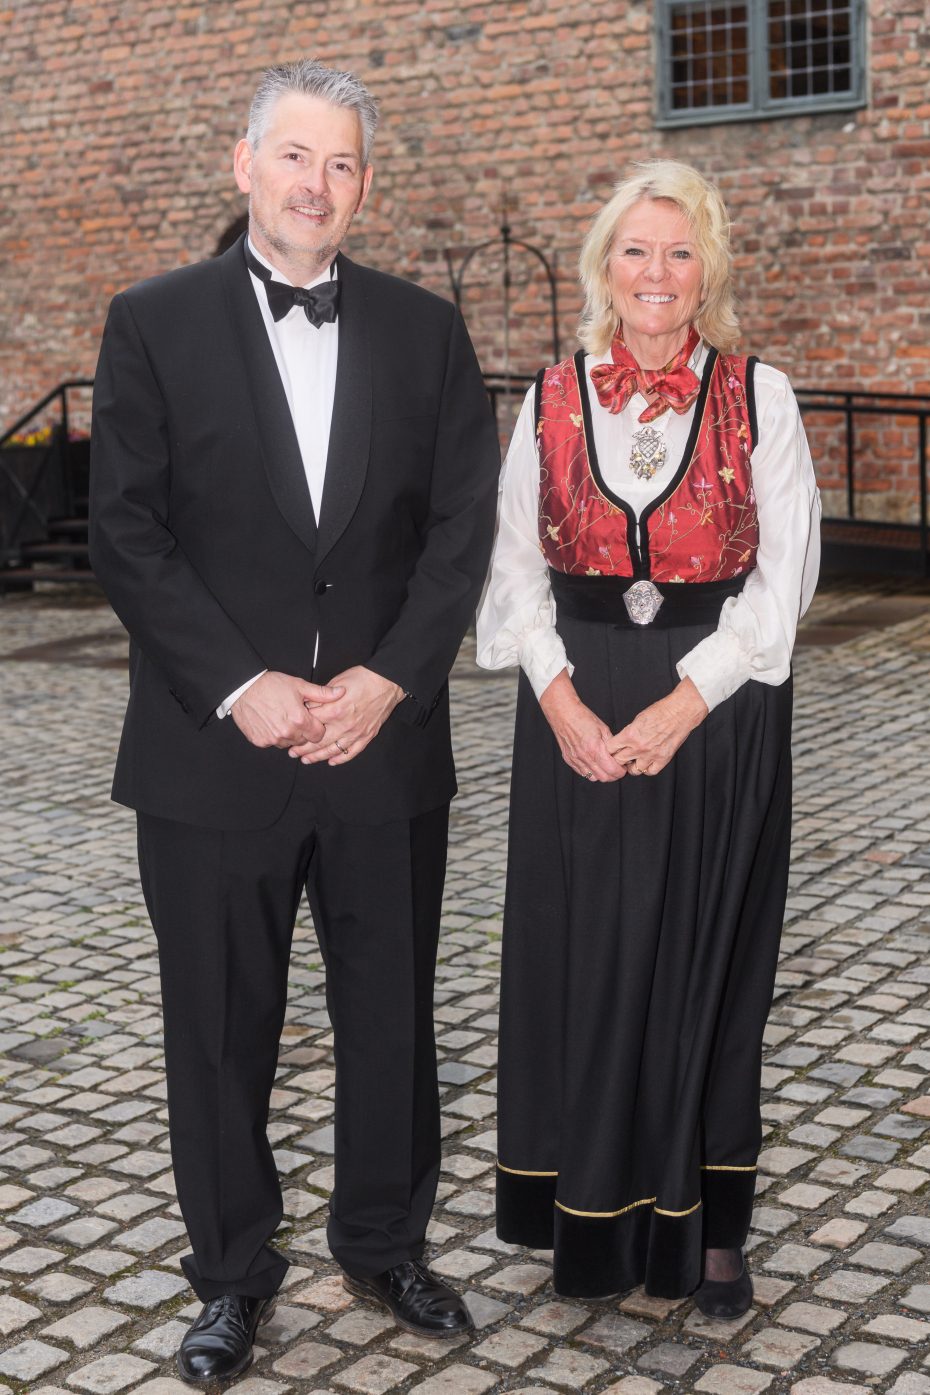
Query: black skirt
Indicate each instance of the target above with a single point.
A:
(641, 931)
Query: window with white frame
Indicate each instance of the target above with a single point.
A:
(733, 60)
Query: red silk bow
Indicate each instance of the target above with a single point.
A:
(676, 384)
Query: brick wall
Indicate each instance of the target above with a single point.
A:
(120, 119)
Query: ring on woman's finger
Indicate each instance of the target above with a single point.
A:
(342, 749)
(588, 775)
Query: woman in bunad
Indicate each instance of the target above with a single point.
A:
(657, 544)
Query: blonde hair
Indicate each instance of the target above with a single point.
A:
(701, 203)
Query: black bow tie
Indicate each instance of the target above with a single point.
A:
(320, 303)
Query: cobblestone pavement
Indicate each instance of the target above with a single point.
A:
(91, 1294)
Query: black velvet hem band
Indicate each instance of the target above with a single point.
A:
(596, 1256)
(728, 1202)
(525, 1209)
(262, 1284)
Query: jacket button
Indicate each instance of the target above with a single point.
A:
(320, 588)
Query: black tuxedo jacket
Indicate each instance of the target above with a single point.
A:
(203, 535)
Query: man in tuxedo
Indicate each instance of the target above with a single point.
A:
(293, 480)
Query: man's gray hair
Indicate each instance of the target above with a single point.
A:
(308, 77)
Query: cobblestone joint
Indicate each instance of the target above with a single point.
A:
(92, 1297)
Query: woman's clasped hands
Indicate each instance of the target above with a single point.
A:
(643, 747)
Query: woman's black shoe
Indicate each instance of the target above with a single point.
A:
(219, 1344)
(725, 1300)
(418, 1301)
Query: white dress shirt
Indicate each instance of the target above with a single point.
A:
(756, 632)
(306, 357)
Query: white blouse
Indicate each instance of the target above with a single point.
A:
(755, 635)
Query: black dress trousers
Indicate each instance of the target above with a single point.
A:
(223, 905)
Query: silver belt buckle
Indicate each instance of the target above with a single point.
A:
(642, 602)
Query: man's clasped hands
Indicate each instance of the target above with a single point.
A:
(336, 721)
(314, 722)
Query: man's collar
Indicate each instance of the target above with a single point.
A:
(329, 274)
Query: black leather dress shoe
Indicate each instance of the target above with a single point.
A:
(418, 1301)
(219, 1344)
(725, 1300)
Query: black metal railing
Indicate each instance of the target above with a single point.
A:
(507, 392)
(30, 499)
(855, 408)
(845, 459)
(37, 482)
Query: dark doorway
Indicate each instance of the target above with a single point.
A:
(232, 234)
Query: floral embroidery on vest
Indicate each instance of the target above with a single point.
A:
(580, 530)
(706, 530)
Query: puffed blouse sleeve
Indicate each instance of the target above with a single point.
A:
(516, 619)
(756, 633)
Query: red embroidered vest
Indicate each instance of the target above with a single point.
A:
(703, 527)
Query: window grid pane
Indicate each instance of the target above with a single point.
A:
(809, 48)
(710, 55)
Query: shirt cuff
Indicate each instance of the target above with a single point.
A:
(224, 707)
(543, 657)
(717, 667)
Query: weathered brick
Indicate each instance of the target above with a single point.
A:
(553, 101)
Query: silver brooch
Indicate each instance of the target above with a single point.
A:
(642, 602)
(649, 452)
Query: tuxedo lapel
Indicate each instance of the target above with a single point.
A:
(350, 434)
(276, 435)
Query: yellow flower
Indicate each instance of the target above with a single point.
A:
(553, 532)
(726, 474)
(575, 420)
(592, 571)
